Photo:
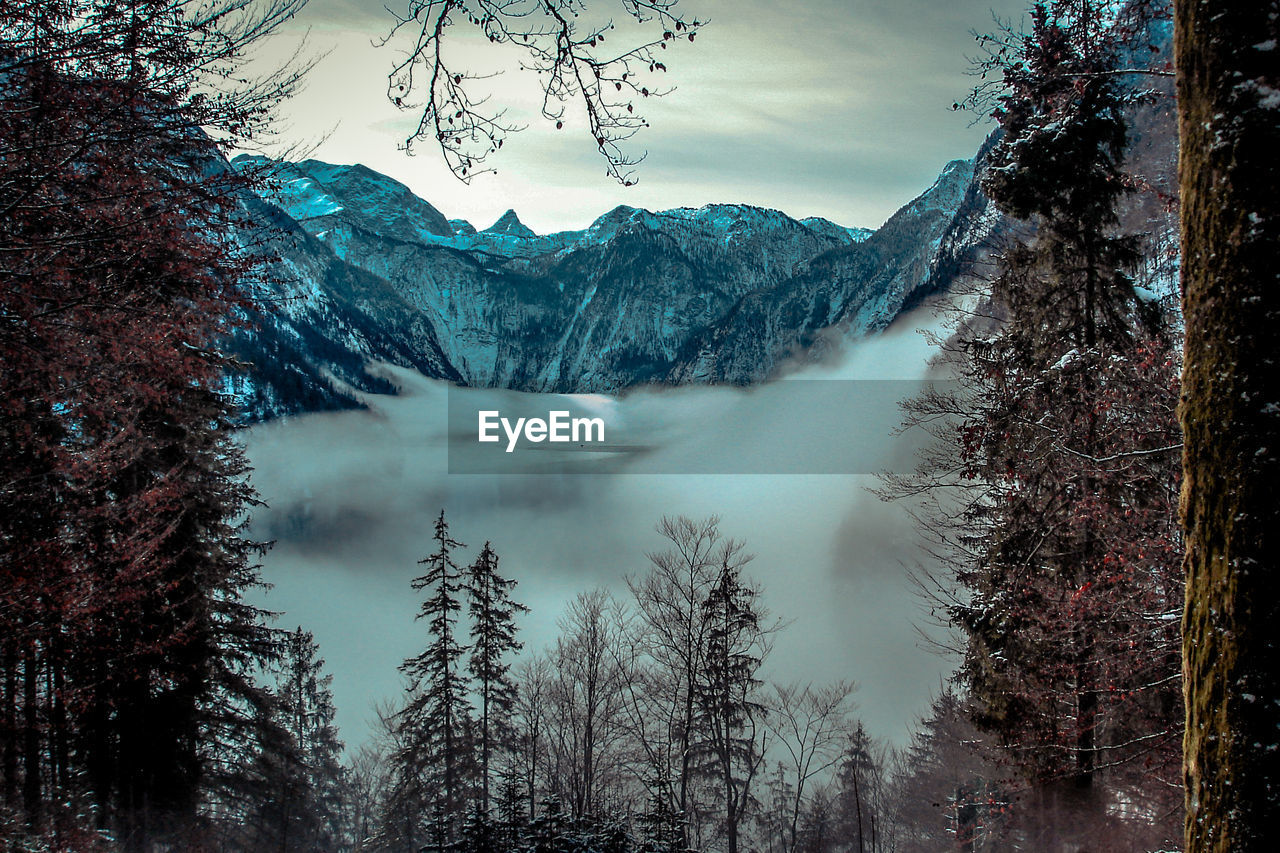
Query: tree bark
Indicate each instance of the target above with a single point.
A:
(1229, 128)
(9, 665)
(31, 792)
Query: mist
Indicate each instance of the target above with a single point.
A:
(351, 498)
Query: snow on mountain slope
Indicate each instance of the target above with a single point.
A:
(320, 322)
(510, 225)
(721, 293)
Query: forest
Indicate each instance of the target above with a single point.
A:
(1098, 495)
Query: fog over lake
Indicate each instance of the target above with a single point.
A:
(352, 496)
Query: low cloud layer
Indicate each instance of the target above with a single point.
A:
(352, 497)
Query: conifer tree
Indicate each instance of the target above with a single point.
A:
(662, 830)
(302, 802)
(548, 828)
(1069, 433)
(434, 722)
(945, 757)
(127, 672)
(859, 802)
(672, 637)
(727, 721)
(512, 814)
(479, 832)
(493, 639)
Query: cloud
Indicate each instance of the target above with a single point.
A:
(843, 103)
(352, 496)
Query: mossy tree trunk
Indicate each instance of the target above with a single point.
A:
(1228, 61)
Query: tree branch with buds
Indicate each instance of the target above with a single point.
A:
(575, 67)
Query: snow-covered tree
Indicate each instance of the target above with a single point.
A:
(1061, 454)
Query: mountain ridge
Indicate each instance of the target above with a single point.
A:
(723, 293)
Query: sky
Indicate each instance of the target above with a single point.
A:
(833, 108)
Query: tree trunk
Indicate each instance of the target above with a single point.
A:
(9, 664)
(1229, 129)
(857, 802)
(31, 791)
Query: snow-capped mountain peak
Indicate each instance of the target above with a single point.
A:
(718, 293)
(510, 225)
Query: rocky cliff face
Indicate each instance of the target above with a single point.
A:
(723, 293)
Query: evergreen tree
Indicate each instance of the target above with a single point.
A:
(479, 833)
(493, 639)
(946, 756)
(856, 806)
(1063, 530)
(433, 724)
(661, 829)
(128, 647)
(1072, 336)
(549, 828)
(302, 802)
(512, 814)
(773, 820)
(727, 721)
(672, 639)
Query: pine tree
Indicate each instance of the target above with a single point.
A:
(121, 547)
(548, 829)
(946, 756)
(512, 814)
(773, 820)
(434, 722)
(479, 833)
(856, 805)
(493, 639)
(662, 830)
(301, 806)
(727, 720)
(1063, 532)
(673, 636)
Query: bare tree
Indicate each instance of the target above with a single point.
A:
(371, 779)
(585, 710)
(672, 634)
(555, 40)
(811, 725)
(533, 678)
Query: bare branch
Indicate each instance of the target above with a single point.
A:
(576, 71)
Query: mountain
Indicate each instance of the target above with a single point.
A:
(368, 271)
(510, 225)
(320, 321)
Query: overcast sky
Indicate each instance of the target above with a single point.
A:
(835, 108)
